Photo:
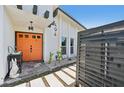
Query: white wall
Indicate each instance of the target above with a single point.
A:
(27, 8)
(6, 39)
(50, 44)
(1, 45)
(9, 39)
(73, 34)
(41, 10)
(69, 31)
(64, 27)
(53, 43)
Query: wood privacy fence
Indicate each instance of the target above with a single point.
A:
(100, 60)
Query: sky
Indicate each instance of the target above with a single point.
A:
(95, 15)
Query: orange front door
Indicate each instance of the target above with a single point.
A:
(31, 46)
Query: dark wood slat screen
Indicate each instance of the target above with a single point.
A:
(100, 61)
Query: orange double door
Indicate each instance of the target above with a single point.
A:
(31, 46)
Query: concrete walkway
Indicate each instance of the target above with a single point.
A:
(34, 70)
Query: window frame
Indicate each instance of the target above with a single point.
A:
(35, 9)
(64, 46)
(19, 7)
(72, 46)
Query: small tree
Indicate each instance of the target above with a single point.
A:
(50, 58)
(59, 54)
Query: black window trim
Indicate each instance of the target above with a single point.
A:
(64, 46)
(34, 10)
(19, 7)
(71, 46)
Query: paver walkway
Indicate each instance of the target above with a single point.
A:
(33, 71)
(62, 78)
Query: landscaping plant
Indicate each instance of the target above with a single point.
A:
(51, 57)
(59, 54)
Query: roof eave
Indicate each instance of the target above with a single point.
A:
(72, 18)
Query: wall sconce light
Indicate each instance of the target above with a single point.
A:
(55, 27)
(31, 27)
(53, 23)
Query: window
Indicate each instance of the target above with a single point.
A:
(20, 36)
(19, 7)
(38, 37)
(35, 9)
(33, 36)
(63, 45)
(46, 14)
(26, 36)
(71, 46)
(55, 12)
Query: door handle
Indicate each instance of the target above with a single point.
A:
(31, 48)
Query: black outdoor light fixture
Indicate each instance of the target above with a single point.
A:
(31, 27)
(53, 23)
(55, 27)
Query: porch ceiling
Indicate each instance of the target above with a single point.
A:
(21, 18)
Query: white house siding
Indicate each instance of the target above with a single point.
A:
(73, 34)
(64, 33)
(1, 46)
(51, 43)
(9, 39)
(69, 31)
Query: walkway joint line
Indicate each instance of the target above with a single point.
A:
(63, 82)
(71, 69)
(68, 74)
(45, 82)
